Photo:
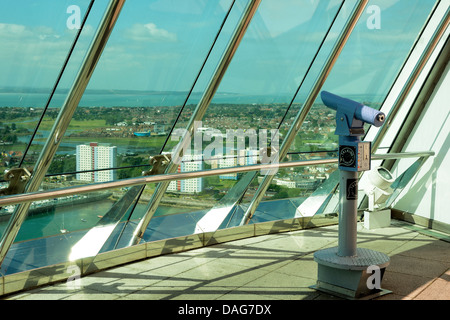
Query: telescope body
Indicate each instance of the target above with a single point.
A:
(351, 115)
(354, 155)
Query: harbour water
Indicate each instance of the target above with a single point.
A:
(71, 218)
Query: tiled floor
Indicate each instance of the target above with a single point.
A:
(272, 267)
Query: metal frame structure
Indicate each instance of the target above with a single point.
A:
(407, 87)
(199, 112)
(62, 122)
(296, 126)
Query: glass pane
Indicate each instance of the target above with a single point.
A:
(255, 93)
(140, 83)
(35, 39)
(367, 66)
(155, 56)
(365, 71)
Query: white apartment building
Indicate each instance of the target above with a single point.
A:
(96, 156)
(228, 162)
(245, 157)
(189, 163)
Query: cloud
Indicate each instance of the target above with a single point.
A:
(22, 44)
(17, 32)
(34, 55)
(12, 31)
(150, 32)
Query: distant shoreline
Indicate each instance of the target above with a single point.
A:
(37, 98)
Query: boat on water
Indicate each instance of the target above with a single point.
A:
(143, 133)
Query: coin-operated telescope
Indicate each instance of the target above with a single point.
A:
(344, 270)
(351, 116)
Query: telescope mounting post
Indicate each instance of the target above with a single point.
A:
(346, 270)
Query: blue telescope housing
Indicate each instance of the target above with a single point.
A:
(351, 115)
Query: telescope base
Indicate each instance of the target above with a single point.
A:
(357, 277)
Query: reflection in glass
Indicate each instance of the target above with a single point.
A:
(367, 67)
(141, 82)
(214, 218)
(36, 37)
(256, 92)
(323, 192)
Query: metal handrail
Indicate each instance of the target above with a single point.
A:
(70, 191)
(403, 155)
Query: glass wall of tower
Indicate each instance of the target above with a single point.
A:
(151, 76)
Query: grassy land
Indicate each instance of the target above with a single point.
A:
(135, 142)
(83, 125)
(75, 125)
(47, 124)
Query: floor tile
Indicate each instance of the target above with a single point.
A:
(304, 267)
(439, 289)
(279, 284)
(401, 263)
(88, 294)
(156, 292)
(405, 285)
(428, 249)
(269, 267)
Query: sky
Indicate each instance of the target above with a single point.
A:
(160, 45)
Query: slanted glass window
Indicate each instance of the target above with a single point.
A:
(35, 37)
(251, 101)
(146, 84)
(365, 71)
(140, 84)
(367, 67)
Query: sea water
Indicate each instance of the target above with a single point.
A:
(73, 218)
